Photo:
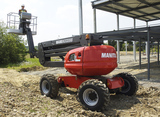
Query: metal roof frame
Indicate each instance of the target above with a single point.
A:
(147, 34)
(145, 10)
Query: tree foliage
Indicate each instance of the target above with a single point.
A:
(122, 45)
(12, 50)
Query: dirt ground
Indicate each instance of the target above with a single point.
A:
(20, 94)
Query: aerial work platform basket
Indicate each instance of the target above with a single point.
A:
(14, 20)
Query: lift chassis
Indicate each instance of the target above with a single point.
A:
(88, 60)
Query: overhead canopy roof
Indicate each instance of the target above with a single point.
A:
(146, 10)
(132, 34)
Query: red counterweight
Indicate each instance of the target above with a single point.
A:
(91, 60)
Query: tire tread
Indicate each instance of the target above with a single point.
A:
(101, 86)
(54, 84)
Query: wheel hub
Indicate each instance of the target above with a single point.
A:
(126, 87)
(90, 97)
(45, 87)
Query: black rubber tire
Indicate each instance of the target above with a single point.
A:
(130, 84)
(95, 89)
(49, 86)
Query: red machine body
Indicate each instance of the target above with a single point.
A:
(87, 62)
(72, 81)
(76, 81)
(91, 60)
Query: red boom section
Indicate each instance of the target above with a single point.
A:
(91, 60)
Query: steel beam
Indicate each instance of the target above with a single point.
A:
(155, 5)
(139, 8)
(125, 6)
(121, 32)
(100, 3)
(148, 15)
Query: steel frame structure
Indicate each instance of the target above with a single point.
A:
(145, 10)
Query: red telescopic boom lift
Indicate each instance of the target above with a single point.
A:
(87, 59)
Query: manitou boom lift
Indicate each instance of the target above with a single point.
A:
(87, 59)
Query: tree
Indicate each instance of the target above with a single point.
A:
(113, 43)
(12, 50)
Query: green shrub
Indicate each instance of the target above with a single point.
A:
(12, 50)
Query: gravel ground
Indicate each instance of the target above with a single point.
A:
(20, 95)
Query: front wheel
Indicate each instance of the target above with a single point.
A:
(93, 95)
(130, 84)
(49, 86)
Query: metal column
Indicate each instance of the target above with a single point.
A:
(134, 42)
(95, 22)
(126, 46)
(146, 48)
(118, 47)
(158, 52)
(80, 18)
(148, 44)
(139, 53)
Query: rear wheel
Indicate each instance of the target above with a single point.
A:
(130, 84)
(49, 86)
(93, 95)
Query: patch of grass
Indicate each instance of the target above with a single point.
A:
(30, 64)
(59, 112)
(32, 111)
(46, 108)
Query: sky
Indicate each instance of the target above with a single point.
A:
(60, 18)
